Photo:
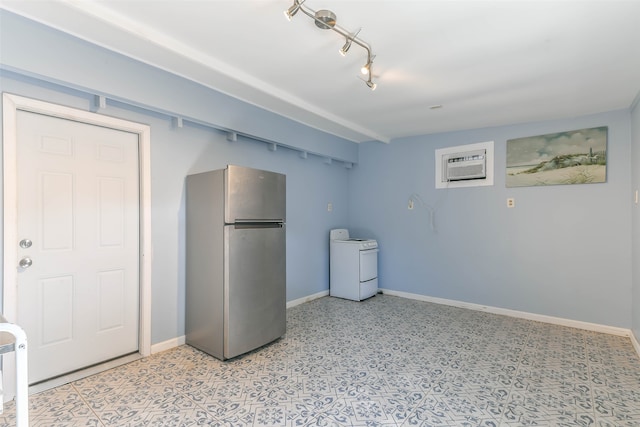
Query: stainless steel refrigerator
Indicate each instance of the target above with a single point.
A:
(235, 260)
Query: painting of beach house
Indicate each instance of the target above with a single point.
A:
(572, 157)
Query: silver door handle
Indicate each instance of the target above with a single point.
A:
(25, 262)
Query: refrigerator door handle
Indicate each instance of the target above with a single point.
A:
(257, 221)
(246, 225)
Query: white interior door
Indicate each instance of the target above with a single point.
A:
(78, 286)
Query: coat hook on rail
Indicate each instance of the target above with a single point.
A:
(177, 122)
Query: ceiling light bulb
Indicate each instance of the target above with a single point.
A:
(365, 68)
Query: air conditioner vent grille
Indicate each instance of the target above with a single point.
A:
(469, 165)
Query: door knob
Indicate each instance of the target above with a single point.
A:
(25, 262)
(25, 243)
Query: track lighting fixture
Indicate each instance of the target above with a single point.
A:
(326, 20)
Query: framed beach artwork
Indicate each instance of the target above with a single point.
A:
(573, 157)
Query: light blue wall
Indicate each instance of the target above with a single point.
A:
(635, 161)
(563, 251)
(176, 152)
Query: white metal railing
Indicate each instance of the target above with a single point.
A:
(14, 339)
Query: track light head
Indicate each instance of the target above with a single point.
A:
(371, 85)
(343, 51)
(366, 68)
(289, 13)
(347, 44)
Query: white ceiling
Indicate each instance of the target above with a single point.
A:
(487, 63)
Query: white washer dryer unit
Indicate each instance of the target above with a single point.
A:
(353, 266)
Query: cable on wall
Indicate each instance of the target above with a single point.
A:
(415, 198)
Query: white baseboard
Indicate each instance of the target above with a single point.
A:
(612, 330)
(308, 298)
(168, 344)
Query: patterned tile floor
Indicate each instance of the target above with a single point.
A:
(386, 361)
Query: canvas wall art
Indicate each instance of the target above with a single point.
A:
(573, 157)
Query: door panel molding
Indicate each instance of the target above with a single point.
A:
(11, 105)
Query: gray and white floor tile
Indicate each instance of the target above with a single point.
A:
(386, 361)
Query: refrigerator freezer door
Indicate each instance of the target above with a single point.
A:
(255, 287)
(254, 195)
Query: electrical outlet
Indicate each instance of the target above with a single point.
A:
(329, 207)
(410, 205)
(511, 202)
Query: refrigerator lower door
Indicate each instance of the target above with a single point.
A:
(254, 287)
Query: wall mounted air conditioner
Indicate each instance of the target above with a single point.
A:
(464, 166)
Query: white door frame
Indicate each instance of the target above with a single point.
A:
(11, 104)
